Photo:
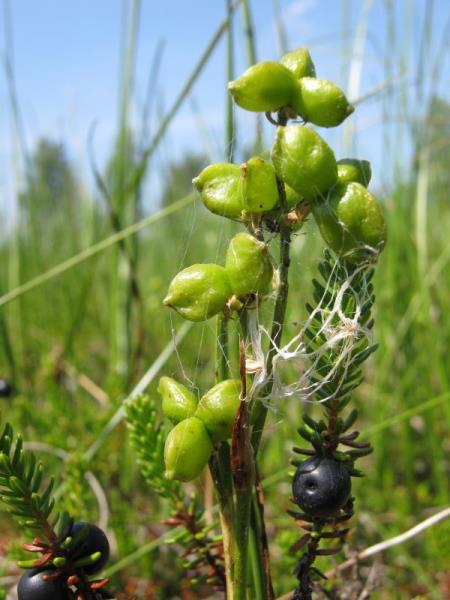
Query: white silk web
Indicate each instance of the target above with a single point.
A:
(336, 331)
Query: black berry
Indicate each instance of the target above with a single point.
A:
(94, 541)
(321, 486)
(5, 388)
(32, 586)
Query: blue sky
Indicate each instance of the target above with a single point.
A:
(66, 62)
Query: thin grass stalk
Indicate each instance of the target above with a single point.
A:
(93, 250)
(282, 37)
(250, 43)
(141, 168)
(355, 73)
(17, 317)
(229, 120)
(120, 290)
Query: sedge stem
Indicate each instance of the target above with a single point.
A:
(279, 312)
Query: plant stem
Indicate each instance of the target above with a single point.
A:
(256, 553)
(243, 503)
(243, 473)
(220, 462)
(278, 318)
(258, 511)
(220, 472)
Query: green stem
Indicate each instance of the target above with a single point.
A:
(220, 471)
(278, 319)
(220, 462)
(255, 553)
(230, 141)
(242, 526)
(261, 536)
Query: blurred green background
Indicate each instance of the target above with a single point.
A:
(81, 318)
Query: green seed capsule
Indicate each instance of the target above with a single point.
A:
(178, 402)
(218, 186)
(199, 292)
(218, 407)
(304, 160)
(299, 62)
(248, 265)
(188, 449)
(351, 222)
(323, 103)
(266, 86)
(258, 185)
(351, 169)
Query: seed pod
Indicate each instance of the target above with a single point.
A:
(299, 62)
(178, 402)
(258, 185)
(188, 449)
(218, 186)
(323, 102)
(199, 292)
(321, 486)
(265, 87)
(351, 222)
(304, 160)
(218, 407)
(352, 169)
(248, 265)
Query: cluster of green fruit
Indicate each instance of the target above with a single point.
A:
(199, 425)
(84, 551)
(303, 171)
(303, 176)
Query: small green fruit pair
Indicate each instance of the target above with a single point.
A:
(291, 85)
(351, 222)
(228, 190)
(189, 444)
(201, 291)
(320, 102)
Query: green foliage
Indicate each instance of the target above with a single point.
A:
(409, 373)
(148, 436)
(339, 329)
(76, 488)
(177, 181)
(27, 499)
(51, 185)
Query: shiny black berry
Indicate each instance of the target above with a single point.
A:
(94, 541)
(321, 486)
(5, 388)
(32, 586)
